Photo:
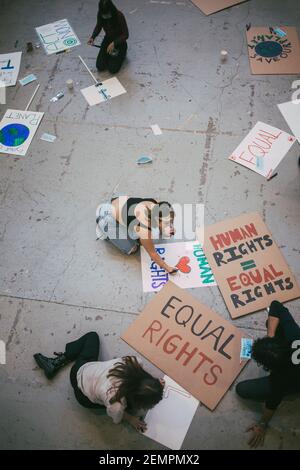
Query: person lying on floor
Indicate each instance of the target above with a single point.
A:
(128, 222)
(114, 45)
(121, 385)
(277, 353)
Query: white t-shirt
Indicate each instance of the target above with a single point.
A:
(92, 380)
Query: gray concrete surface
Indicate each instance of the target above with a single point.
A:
(56, 282)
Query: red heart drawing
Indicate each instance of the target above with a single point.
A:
(183, 265)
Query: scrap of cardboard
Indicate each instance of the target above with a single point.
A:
(57, 37)
(169, 421)
(291, 113)
(247, 264)
(269, 53)
(263, 149)
(190, 343)
(105, 91)
(188, 257)
(212, 6)
(17, 129)
(9, 68)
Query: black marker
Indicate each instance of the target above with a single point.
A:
(273, 176)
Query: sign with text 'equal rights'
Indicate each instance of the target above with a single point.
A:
(187, 257)
(263, 149)
(190, 343)
(247, 264)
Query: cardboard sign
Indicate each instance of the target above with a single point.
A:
(291, 113)
(248, 266)
(169, 421)
(188, 257)
(263, 149)
(189, 342)
(212, 6)
(270, 53)
(9, 68)
(105, 91)
(17, 129)
(57, 37)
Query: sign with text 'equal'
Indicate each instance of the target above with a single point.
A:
(263, 149)
(57, 37)
(17, 129)
(187, 257)
(247, 264)
(9, 68)
(189, 342)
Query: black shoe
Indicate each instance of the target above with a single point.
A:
(51, 365)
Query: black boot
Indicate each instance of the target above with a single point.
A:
(51, 365)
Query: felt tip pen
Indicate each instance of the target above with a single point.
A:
(271, 177)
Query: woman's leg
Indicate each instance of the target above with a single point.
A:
(102, 59)
(85, 348)
(254, 389)
(114, 63)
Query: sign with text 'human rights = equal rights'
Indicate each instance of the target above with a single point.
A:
(187, 257)
(249, 268)
(190, 343)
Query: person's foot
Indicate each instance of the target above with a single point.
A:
(50, 365)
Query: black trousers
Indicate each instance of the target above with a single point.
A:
(108, 62)
(259, 389)
(83, 350)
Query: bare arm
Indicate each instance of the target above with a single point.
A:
(134, 421)
(273, 323)
(147, 243)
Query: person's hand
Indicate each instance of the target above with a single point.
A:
(110, 47)
(138, 424)
(91, 42)
(258, 435)
(172, 270)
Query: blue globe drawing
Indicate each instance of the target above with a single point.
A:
(268, 49)
(13, 135)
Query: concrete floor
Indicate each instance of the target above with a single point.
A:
(56, 282)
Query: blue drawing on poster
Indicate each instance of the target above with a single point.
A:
(14, 135)
(269, 49)
(8, 66)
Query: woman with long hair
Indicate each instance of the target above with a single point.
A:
(114, 45)
(121, 385)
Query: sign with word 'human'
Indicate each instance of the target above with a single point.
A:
(9, 68)
(190, 343)
(187, 257)
(263, 149)
(17, 129)
(247, 264)
(270, 53)
(57, 37)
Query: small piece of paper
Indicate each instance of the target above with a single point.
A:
(143, 160)
(246, 349)
(57, 97)
(156, 129)
(28, 79)
(48, 137)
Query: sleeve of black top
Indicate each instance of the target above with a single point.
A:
(98, 26)
(124, 33)
(287, 323)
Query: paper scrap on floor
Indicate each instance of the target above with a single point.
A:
(169, 421)
(104, 91)
(263, 149)
(156, 129)
(188, 257)
(28, 79)
(48, 137)
(291, 113)
(9, 68)
(57, 37)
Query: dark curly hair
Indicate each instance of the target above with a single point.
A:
(140, 389)
(271, 353)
